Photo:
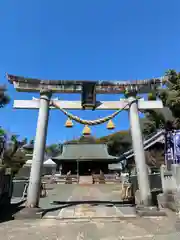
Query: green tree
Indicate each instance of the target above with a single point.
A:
(54, 149)
(2, 132)
(153, 121)
(169, 117)
(118, 143)
(12, 154)
(171, 96)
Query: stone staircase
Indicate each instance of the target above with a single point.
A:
(83, 180)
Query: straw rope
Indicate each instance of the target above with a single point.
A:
(88, 122)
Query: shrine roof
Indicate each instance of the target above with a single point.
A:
(85, 151)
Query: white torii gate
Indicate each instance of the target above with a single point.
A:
(43, 104)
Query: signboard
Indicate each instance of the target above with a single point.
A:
(77, 88)
(169, 147)
(172, 147)
(177, 147)
(88, 95)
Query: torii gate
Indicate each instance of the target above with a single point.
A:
(47, 88)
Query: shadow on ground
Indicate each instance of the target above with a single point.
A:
(66, 204)
(7, 212)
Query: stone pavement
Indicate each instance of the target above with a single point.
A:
(91, 211)
(76, 192)
(161, 228)
(85, 224)
(72, 195)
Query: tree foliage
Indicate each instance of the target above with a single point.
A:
(169, 117)
(12, 154)
(54, 149)
(119, 142)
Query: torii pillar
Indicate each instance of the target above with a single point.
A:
(39, 150)
(139, 155)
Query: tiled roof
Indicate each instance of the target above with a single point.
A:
(85, 152)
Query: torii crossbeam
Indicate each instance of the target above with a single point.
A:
(76, 105)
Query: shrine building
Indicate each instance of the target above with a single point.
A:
(84, 158)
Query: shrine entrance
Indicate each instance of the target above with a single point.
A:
(89, 168)
(88, 90)
(79, 168)
(84, 168)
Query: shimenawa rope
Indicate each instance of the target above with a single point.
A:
(88, 122)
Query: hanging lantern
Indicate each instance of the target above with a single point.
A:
(69, 123)
(86, 130)
(110, 125)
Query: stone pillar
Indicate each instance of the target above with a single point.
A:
(176, 175)
(39, 150)
(137, 143)
(162, 171)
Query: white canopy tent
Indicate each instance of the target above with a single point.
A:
(49, 162)
(49, 168)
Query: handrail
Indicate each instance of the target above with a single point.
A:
(150, 138)
(146, 139)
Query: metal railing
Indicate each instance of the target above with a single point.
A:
(148, 141)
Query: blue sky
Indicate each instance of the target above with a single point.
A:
(97, 39)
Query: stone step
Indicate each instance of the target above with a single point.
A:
(87, 211)
(85, 180)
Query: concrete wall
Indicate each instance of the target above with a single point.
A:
(154, 180)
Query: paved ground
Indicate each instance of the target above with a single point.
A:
(71, 194)
(76, 192)
(83, 225)
(137, 229)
